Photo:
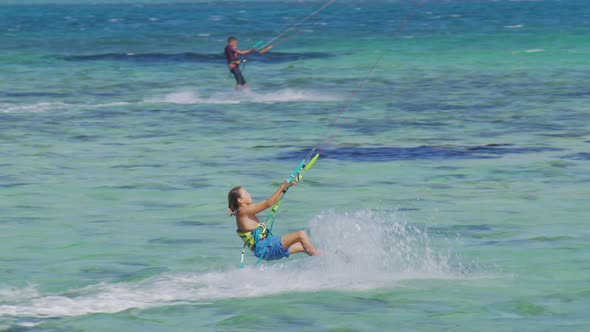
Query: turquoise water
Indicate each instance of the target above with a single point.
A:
(452, 195)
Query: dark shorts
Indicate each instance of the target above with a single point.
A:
(238, 75)
(274, 249)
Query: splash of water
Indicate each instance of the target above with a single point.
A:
(361, 250)
(380, 245)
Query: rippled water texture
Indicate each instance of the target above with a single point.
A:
(451, 193)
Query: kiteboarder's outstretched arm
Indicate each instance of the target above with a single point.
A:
(248, 208)
(246, 51)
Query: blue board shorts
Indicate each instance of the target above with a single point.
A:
(274, 249)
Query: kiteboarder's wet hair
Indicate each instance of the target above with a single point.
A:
(232, 200)
(232, 38)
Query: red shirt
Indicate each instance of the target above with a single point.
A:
(231, 53)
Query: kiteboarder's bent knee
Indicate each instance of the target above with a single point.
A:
(298, 242)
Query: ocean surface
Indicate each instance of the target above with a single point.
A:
(452, 192)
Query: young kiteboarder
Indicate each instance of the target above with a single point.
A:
(255, 234)
(231, 54)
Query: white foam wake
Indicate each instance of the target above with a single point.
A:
(8, 294)
(51, 106)
(532, 50)
(244, 96)
(182, 97)
(31, 108)
(362, 250)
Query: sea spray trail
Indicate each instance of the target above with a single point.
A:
(362, 250)
(246, 96)
(381, 243)
(184, 96)
(51, 106)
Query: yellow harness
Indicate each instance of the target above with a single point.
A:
(234, 64)
(252, 237)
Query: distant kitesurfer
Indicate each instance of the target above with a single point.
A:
(255, 234)
(231, 54)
